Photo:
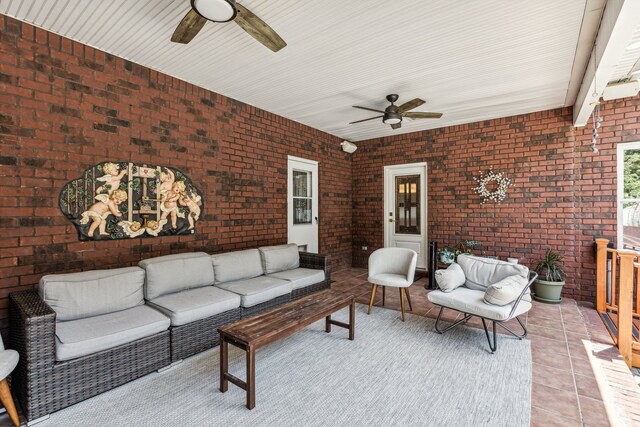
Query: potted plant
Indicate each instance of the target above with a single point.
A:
(548, 285)
(449, 254)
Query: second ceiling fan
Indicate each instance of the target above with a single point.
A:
(393, 114)
(225, 11)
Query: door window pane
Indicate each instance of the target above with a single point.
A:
(408, 204)
(302, 200)
(301, 183)
(302, 211)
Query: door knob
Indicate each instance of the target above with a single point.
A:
(391, 220)
(316, 220)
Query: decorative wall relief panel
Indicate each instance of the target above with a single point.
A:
(119, 200)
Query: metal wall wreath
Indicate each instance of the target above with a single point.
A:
(497, 183)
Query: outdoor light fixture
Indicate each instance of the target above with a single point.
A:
(391, 118)
(348, 147)
(215, 10)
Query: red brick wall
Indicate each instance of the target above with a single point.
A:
(65, 106)
(563, 195)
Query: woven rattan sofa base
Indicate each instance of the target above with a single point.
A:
(316, 261)
(307, 290)
(194, 337)
(250, 311)
(43, 385)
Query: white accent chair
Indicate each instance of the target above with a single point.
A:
(8, 362)
(393, 267)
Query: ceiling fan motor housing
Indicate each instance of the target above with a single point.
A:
(391, 115)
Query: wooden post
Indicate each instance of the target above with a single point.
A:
(601, 274)
(625, 305)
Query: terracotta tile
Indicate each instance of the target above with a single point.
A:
(582, 366)
(542, 418)
(593, 412)
(546, 332)
(578, 350)
(550, 358)
(588, 386)
(546, 322)
(560, 402)
(578, 328)
(553, 377)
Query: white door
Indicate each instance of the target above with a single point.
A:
(405, 213)
(302, 206)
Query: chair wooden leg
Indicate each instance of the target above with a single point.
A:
(402, 302)
(373, 295)
(406, 291)
(384, 289)
(7, 401)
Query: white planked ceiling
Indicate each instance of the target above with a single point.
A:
(469, 59)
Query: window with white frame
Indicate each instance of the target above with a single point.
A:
(629, 195)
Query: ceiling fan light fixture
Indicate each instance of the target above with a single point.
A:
(215, 10)
(391, 118)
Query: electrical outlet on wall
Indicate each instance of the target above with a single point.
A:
(364, 248)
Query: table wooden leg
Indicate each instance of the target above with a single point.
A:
(224, 358)
(251, 378)
(327, 323)
(352, 320)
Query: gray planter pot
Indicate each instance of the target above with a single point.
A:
(548, 292)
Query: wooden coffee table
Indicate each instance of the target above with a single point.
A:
(257, 331)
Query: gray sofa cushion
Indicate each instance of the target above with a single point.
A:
(300, 277)
(195, 304)
(174, 273)
(280, 258)
(482, 272)
(471, 301)
(92, 293)
(258, 289)
(506, 290)
(237, 265)
(80, 337)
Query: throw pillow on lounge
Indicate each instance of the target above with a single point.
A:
(451, 278)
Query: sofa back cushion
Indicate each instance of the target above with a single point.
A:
(174, 273)
(480, 272)
(280, 258)
(92, 293)
(239, 265)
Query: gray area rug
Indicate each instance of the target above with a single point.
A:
(394, 373)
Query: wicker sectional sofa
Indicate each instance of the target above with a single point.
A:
(81, 334)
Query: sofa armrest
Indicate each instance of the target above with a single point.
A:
(32, 329)
(532, 277)
(316, 261)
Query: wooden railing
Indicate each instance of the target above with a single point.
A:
(617, 281)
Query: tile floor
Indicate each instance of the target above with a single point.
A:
(579, 378)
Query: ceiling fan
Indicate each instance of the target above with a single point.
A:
(393, 114)
(225, 11)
